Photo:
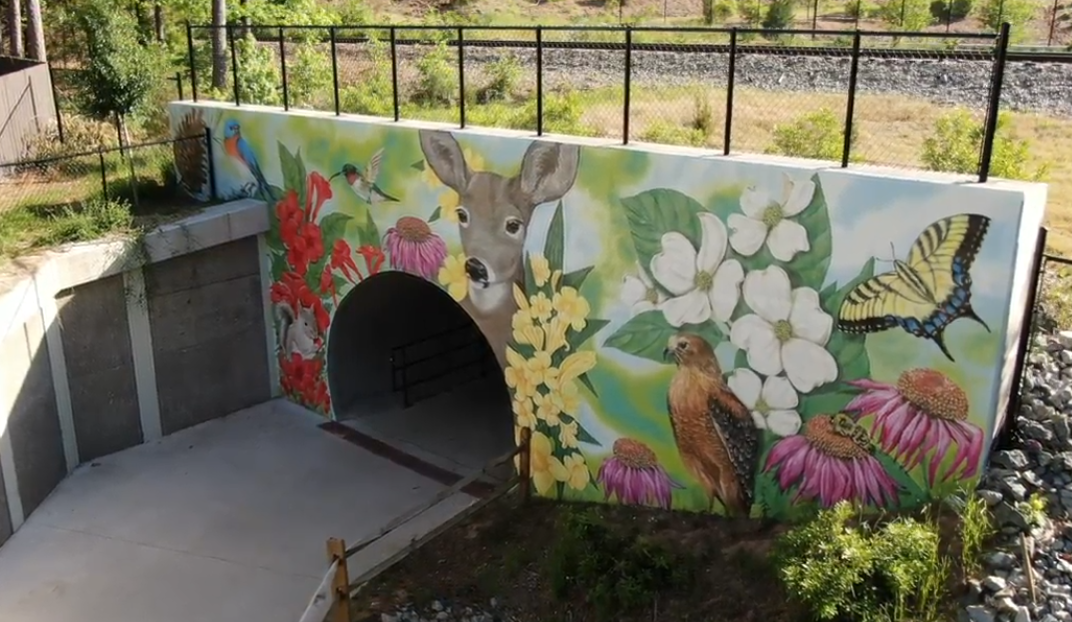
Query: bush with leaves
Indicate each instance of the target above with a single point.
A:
(842, 571)
(950, 10)
(372, 95)
(259, 78)
(719, 11)
(308, 76)
(956, 143)
(1017, 12)
(120, 73)
(437, 84)
(819, 135)
(779, 14)
(502, 77)
(906, 15)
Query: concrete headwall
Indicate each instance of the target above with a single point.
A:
(747, 334)
(108, 345)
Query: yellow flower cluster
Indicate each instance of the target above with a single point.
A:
(547, 470)
(452, 276)
(543, 390)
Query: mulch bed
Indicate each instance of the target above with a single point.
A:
(502, 552)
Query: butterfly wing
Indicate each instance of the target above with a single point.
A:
(924, 294)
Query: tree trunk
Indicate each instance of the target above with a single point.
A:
(158, 21)
(36, 30)
(219, 44)
(14, 28)
(245, 31)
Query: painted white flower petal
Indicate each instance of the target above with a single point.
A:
(783, 422)
(807, 365)
(767, 292)
(675, 267)
(808, 319)
(642, 274)
(746, 385)
(643, 306)
(759, 420)
(726, 289)
(633, 290)
(778, 392)
(798, 197)
(786, 239)
(713, 242)
(747, 235)
(754, 201)
(756, 337)
(692, 308)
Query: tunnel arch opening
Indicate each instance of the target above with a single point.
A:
(409, 366)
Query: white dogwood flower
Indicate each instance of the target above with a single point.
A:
(701, 283)
(773, 401)
(640, 293)
(766, 219)
(786, 331)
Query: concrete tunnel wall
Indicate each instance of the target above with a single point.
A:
(123, 356)
(584, 261)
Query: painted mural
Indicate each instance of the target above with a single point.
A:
(697, 333)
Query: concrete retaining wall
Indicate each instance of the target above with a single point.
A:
(107, 345)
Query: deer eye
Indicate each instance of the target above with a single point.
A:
(463, 216)
(513, 225)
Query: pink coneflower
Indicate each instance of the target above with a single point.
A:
(924, 414)
(831, 461)
(414, 248)
(634, 475)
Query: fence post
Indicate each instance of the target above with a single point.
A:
(997, 77)
(211, 164)
(178, 84)
(394, 73)
(539, 80)
(340, 584)
(56, 103)
(1008, 429)
(334, 69)
(850, 107)
(1053, 21)
(628, 83)
(133, 176)
(283, 68)
(234, 63)
(193, 61)
(726, 135)
(103, 172)
(525, 464)
(461, 77)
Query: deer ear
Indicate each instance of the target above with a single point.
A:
(548, 171)
(442, 153)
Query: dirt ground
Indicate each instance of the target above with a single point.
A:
(503, 551)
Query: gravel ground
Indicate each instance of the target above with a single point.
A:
(1040, 462)
(1042, 87)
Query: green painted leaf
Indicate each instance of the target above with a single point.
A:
(826, 400)
(293, 172)
(587, 382)
(418, 165)
(333, 227)
(316, 270)
(832, 297)
(435, 214)
(740, 360)
(807, 269)
(584, 437)
(593, 326)
(647, 334)
(911, 493)
(530, 280)
(340, 283)
(368, 234)
(279, 265)
(576, 278)
(554, 247)
(655, 212)
(849, 350)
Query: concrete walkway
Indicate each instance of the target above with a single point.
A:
(225, 521)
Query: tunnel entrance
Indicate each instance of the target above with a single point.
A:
(409, 367)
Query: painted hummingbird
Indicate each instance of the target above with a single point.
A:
(363, 182)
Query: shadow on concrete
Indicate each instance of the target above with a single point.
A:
(409, 367)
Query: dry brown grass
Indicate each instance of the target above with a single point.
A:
(891, 132)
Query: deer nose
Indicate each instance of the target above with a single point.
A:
(475, 269)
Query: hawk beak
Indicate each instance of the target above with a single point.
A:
(668, 354)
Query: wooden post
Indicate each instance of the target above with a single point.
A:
(525, 468)
(340, 585)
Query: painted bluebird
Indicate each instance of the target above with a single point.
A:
(240, 150)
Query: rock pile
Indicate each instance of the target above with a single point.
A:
(443, 611)
(1029, 490)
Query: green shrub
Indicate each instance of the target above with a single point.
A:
(819, 135)
(839, 571)
(372, 95)
(618, 572)
(308, 76)
(670, 134)
(437, 84)
(956, 144)
(503, 75)
(752, 13)
(861, 9)
(975, 528)
(779, 14)
(259, 79)
(1017, 12)
(719, 11)
(952, 10)
(906, 15)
